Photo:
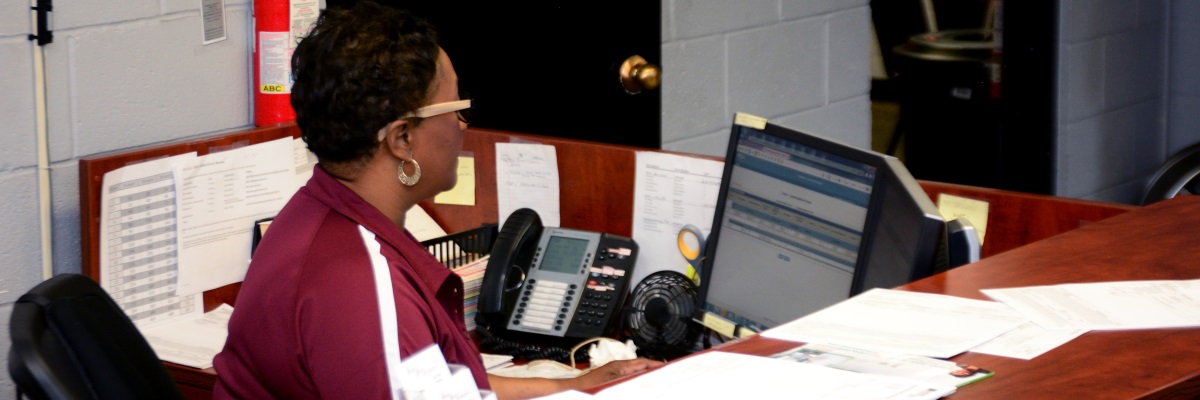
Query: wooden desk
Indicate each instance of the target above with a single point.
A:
(1157, 242)
(596, 194)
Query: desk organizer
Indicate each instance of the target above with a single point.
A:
(464, 247)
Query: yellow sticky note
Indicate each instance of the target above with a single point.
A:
(974, 211)
(463, 193)
(750, 120)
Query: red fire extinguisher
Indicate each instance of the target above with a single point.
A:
(995, 18)
(277, 25)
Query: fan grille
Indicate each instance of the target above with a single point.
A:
(660, 315)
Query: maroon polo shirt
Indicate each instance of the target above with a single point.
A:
(307, 320)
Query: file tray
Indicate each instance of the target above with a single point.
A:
(464, 247)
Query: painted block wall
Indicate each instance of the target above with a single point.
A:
(117, 77)
(1129, 93)
(800, 63)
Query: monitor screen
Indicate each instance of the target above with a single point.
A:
(803, 222)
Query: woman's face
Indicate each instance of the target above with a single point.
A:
(437, 140)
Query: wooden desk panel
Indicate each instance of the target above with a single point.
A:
(1157, 242)
(597, 183)
(1016, 219)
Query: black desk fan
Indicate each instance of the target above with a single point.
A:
(661, 307)
(659, 316)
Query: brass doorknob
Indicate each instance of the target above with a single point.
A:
(638, 75)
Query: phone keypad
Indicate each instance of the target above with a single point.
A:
(544, 305)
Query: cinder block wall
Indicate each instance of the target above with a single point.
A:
(1183, 77)
(1128, 93)
(1111, 103)
(118, 76)
(804, 64)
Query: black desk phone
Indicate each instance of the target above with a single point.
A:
(548, 282)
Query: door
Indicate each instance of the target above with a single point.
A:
(553, 67)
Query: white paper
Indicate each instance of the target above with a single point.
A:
(421, 225)
(886, 320)
(527, 177)
(304, 160)
(302, 15)
(671, 191)
(721, 375)
(1107, 305)
(925, 369)
(1028, 341)
(426, 375)
(212, 13)
(461, 385)
(220, 197)
(496, 360)
(139, 249)
(192, 342)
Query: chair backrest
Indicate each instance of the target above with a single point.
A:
(1180, 174)
(70, 340)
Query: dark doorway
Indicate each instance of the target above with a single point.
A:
(551, 67)
(960, 121)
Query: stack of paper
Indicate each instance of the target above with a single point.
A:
(193, 342)
(719, 374)
(472, 276)
(925, 369)
(895, 321)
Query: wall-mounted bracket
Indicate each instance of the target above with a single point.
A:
(44, 35)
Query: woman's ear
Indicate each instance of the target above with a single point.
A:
(397, 138)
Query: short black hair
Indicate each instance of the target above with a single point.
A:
(356, 71)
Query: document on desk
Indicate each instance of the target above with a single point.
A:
(193, 342)
(887, 320)
(139, 241)
(722, 375)
(671, 191)
(527, 177)
(1028, 341)
(1107, 305)
(221, 195)
(925, 369)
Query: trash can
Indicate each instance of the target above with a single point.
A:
(950, 107)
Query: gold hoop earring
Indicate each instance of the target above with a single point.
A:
(406, 179)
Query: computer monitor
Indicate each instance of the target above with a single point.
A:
(804, 222)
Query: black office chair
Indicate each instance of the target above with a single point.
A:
(1180, 174)
(70, 340)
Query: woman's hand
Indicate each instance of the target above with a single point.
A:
(613, 370)
(523, 388)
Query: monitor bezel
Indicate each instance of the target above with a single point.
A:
(890, 173)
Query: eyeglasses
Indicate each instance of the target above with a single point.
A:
(460, 108)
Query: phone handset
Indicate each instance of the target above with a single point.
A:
(507, 265)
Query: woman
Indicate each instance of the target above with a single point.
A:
(339, 294)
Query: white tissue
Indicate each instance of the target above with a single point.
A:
(604, 351)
